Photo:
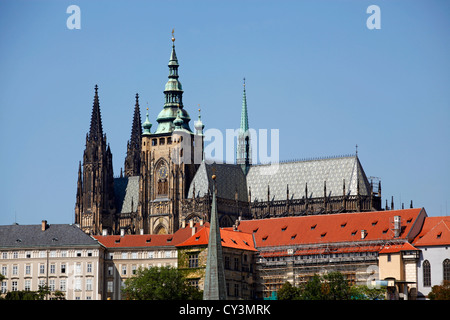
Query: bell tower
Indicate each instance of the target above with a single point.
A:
(167, 159)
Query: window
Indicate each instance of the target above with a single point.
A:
(52, 269)
(52, 285)
(27, 269)
(236, 264)
(227, 262)
(78, 253)
(426, 273)
(27, 285)
(28, 254)
(389, 257)
(62, 285)
(4, 270)
(89, 267)
(78, 284)
(4, 255)
(14, 286)
(154, 142)
(236, 290)
(14, 271)
(124, 255)
(89, 284)
(446, 268)
(193, 260)
(63, 268)
(151, 255)
(3, 288)
(124, 270)
(78, 268)
(15, 255)
(110, 286)
(110, 271)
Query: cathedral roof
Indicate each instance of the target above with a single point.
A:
(126, 191)
(230, 179)
(331, 172)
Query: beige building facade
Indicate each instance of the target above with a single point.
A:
(61, 257)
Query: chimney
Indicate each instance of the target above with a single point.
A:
(104, 232)
(122, 232)
(201, 222)
(183, 224)
(141, 232)
(363, 234)
(44, 225)
(191, 223)
(194, 230)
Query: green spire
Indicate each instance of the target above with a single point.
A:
(147, 125)
(243, 152)
(244, 114)
(215, 285)
(173, 92)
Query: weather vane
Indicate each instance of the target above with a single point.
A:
(173, 38)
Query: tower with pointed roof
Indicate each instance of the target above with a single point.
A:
(215, 285)
(243, 156)
(133, 159)
(167, 159)
(95, 208)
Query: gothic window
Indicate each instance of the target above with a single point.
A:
(426, 273)
(446, 268)
(162, 173)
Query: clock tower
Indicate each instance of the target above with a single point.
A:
(168, 161)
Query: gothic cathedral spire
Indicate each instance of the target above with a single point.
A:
(94, 209)
(243, 156)
(133, 158)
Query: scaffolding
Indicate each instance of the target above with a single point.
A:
(357, 261)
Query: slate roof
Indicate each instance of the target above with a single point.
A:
(230, 179)
(312, 172)
(56, 235)
(127, 191)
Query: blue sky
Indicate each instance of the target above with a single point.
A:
(313, 70)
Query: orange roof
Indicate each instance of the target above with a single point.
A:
(398, 247)
(316, 229)
(148, 240)
(435, 232)
(230, 239)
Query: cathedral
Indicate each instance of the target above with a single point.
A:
(166, 182)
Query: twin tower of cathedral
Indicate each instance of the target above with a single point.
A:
(166, 183)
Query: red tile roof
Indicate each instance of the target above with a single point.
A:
(230, 239)
(148, 240)
(435, 232)
(333, 228)
(398, 247)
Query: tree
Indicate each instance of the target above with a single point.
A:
(335, 286)
(160, 283)
(441, 292)
(288, 292)
(331, 286)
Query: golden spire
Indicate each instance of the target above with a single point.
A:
(173, 38)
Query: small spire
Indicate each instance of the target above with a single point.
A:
(198, 125)
(147, 125)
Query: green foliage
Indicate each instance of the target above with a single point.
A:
(331, 286)
(160, 283)
(441, 292)
(41, 294)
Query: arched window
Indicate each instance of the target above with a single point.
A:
(446, 268)
(426, 273)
